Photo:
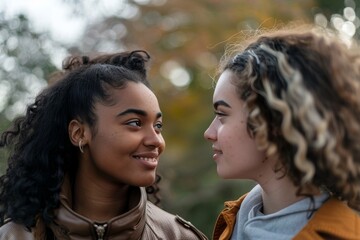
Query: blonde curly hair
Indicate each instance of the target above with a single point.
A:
(302, 90)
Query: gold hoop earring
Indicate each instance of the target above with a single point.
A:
(81, 146)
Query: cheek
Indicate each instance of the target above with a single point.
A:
(229, 139)
(109, 141)
(236, 141)
(107, 138)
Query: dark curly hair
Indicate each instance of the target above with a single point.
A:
(302, 91)
(40, 149)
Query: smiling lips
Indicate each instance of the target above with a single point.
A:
(217, 152)
(151, 157)
(147, 159)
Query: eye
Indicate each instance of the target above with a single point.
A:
(134, 123)
(158, 126)
(219, 114)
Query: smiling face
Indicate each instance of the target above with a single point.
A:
(126, 142)
(235, 152)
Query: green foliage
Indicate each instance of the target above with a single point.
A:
(341, 16)
(25, 63)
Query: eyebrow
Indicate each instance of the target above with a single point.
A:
(137, 112)
(220, 103)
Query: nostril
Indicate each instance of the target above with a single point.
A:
(208, 136)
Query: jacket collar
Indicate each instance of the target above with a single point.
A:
(128, 225)
(334, 220)
(226, 220)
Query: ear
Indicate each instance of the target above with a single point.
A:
(76, 131)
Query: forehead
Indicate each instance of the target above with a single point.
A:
(225, 89)
(134, 95)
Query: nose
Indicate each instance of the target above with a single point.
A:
(154, 139)
(210, 132)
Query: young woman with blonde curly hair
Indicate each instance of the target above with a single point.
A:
(287, 115)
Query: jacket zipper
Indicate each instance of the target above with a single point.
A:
(100, 230)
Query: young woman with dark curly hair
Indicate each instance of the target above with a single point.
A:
(84, 157)
(287, 115)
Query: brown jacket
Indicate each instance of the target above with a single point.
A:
(143, 221)
(333, 220)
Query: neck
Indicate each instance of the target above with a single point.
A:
(98, 202)
(279, 194)
(278, 191)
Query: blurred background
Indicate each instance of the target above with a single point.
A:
(185, 39)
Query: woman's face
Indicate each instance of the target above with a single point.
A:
(235, 152)
(127, 142)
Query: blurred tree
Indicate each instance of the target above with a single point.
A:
(24, 64)
(341, 16)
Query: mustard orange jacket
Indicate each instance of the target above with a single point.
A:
(333, 220)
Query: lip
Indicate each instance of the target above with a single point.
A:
(217, 153)
(148, 159)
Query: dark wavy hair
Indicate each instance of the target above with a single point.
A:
(41, 153)
(302, 90)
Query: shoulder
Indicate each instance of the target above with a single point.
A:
(13, 231)
(169, 226)
(332, 221)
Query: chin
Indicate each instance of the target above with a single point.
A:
(224, 174)
(147, 182)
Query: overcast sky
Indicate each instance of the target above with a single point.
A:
(57, 17)
(51, 15)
